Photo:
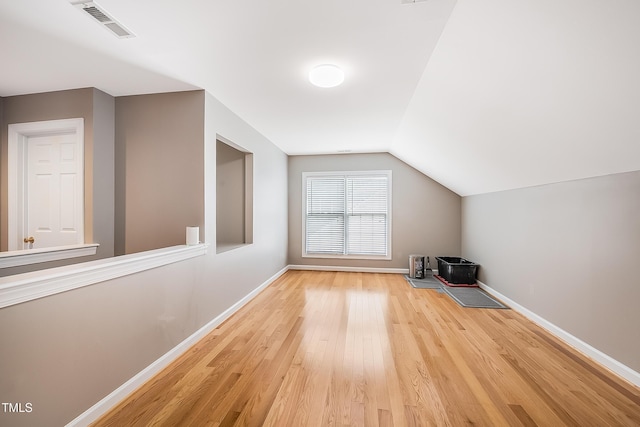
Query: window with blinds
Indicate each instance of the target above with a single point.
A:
(347, 214)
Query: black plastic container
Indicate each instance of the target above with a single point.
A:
(457, 270)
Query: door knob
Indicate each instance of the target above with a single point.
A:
(29, 240)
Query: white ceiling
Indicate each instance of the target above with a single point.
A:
(480, 95)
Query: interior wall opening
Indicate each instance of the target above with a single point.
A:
(234, 196)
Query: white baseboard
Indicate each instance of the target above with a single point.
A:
(97, 410)
(349, 269)
(605, 360)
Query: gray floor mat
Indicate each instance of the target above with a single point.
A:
(472, 297)
(428, 282)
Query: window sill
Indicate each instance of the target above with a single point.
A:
(34, 256)
(38, 284)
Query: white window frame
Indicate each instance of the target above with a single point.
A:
(305, 175)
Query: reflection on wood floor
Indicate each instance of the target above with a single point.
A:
(344, 349)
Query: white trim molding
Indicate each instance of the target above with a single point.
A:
(38, 284)
(345, 175)
(18, 135)
(93, 413)
(350, 269)
(603, 359)
(34, 256)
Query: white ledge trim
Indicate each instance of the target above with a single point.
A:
(29, 286)
(34, 256)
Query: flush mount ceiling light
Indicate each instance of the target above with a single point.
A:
(326, 75)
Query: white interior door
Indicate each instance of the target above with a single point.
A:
(46, 184)
(53, 172)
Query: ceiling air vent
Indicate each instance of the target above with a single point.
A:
(102, 17)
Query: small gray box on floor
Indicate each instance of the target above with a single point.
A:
(416, 266)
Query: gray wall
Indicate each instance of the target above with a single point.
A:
(65, 352)
(102, 198)
(235, 273)
(567, 252)
(426, 215)
(159, 169)
(97, 109)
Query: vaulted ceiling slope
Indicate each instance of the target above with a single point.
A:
(480, 95)
(524, 93)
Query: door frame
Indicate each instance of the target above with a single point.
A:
(18, 135)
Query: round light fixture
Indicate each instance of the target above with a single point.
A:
(326, 75)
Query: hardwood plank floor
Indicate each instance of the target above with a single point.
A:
(361, 349)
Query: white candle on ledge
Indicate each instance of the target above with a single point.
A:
(193, 236)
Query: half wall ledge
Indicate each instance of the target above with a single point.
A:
(25, 287)
(34, 256)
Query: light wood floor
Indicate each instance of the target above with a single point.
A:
(325, 348)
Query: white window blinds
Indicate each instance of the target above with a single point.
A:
(325, 215)
(347, 214)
